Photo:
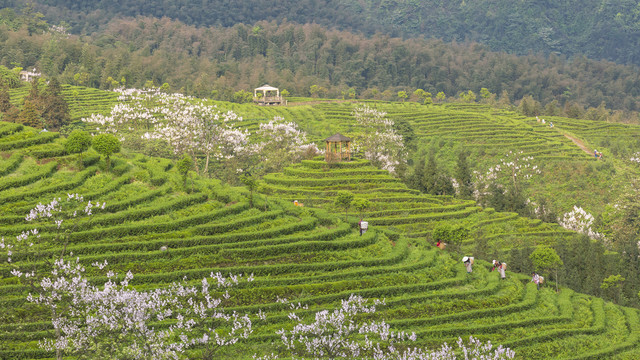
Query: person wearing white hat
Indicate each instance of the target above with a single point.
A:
(467, 263)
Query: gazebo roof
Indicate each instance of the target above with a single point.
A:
(337, 138)
(266, 87)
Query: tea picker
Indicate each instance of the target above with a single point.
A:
(468, 263)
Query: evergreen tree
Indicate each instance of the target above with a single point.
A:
(55, 109)
(630, 270)
(5, 100)
(415, 181)
(34, 95)
(30, 115)
(443, 185)
(463, 176)
(430, 175)
(496, 199)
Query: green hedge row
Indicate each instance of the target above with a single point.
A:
(528, 301)
(321, 164)
(111, 219)
(418, 199)
(304, 281)
(303, 182)
(549, 335)
(379, 292)
(630, 342)
(131, 251)
(9, 128)
(230, 225)
(78, 179)
(43, 172)
(208, 248)
(139, 229)
(306, 246)
(461, 277)
(421, 210)
(12, 163)
(18, 144)
(48, 152)
(422, 218)
(509, 216)
(399, 253)
(112, 186)
(328, 192)
(309, 173)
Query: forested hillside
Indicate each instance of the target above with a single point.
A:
(599, 29)
(217, 62)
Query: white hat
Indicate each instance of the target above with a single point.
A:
(494, 262)
(464, 259)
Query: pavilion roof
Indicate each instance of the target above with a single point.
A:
(337, 138)
(266, 87)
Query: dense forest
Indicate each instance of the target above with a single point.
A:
(599, 29)
(218, 62)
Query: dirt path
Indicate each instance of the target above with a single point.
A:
(579, 143)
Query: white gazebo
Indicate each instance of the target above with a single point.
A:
(29, 75)
(269, 96)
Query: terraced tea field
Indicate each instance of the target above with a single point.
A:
(308, 256)
(400, 209)
(83, 101)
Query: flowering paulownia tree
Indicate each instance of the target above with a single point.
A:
(63, 218)
(339, 334)
(188, 125)
(114, 320)
(282, 143)
(507, 177)
(60, 217)
(580, 221)
(378, 140)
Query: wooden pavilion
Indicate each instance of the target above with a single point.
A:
(335, 151)
(270, 96)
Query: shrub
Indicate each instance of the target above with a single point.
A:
(106, 145)
(78, 142)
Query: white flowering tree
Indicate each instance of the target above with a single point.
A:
(510, 173)
(135, 110)
(340, 334)
(282, 143)
(187, 124)
(580, 221)
(115, 320)
(378, 140)
(61, 218)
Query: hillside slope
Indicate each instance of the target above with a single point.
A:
(304, 255)
(598, 29)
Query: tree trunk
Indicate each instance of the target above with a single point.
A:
(206, 165)
(195, 162)
(58, 351)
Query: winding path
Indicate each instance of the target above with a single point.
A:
(579, 143)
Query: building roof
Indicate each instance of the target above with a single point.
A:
(337, 138)
(266, 87)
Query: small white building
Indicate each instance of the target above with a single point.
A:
(29, 75)
(269, 95)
